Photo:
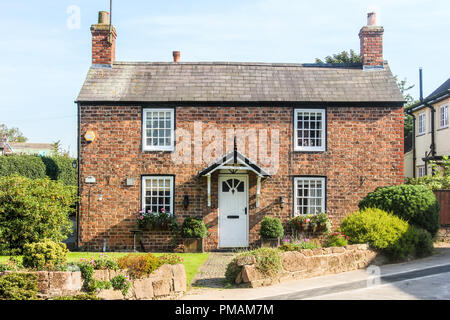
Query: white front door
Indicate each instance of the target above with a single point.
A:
(233, 211)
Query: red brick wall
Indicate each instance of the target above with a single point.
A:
(102, 51)
(364, 150)
(371, 46)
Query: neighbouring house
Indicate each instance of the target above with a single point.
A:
(231, 142)
(5, 147)
(41, 149)
(430, 139)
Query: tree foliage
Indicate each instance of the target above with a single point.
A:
(13, 134)
(343, 57)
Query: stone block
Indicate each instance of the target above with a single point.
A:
(351, 247)
(162, 287)
(238, 279)
(363, 246)
(307, 252)
(43, 283)
(143, 289)
(110, 294)
(246, 260)
(250, 274)
(293, 261)
(60, 281)
(338, 249)
(101, 275)
(317, 252)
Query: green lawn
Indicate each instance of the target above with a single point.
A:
(192, 261)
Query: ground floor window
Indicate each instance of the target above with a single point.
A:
(157, 193)
(309, 195)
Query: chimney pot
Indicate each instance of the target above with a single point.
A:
(176, 56)
(103, 17)
(372, 19)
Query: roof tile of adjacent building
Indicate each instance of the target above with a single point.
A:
(232, 82)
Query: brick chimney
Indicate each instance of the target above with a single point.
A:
(371, 42)
(103, 41)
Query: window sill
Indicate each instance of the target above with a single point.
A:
(158, 150)
(421, 134)
(443, 128)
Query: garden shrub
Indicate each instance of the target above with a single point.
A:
(271, 228)
(414, 203)
(337, 239)
(268, 262)
(33, 210)
(37, 167)
(171, 259)
(193, 228)
(139, 265)
(45, 255)
(384, 231)
(24, 165)
(121, 283)
(18, 286)
(424, 242)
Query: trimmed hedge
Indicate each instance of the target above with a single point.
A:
(193, 228)
(414, 203)
(388, 233)
(37, 167)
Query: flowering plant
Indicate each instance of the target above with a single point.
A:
(311, 222)
(337, 239)
(297, 244)
(156, 221)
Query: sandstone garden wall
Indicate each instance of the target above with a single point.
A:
(307, 263)
(168, 283)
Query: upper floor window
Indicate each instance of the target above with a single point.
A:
(309, 195)
(309, 130)
(422, 123)
(443, 116)
(158, 130)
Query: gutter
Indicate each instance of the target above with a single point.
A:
(409, 112)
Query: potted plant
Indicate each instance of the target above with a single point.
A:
(193, 231)
(271, 232)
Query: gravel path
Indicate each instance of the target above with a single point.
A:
(212, 273)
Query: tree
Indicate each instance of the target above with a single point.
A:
(352, 57)
(343, 57)
(13, 134)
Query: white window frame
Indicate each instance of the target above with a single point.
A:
(443, 116)
(421, 171)
(146, 147)
(422, 123)
(323, 190)
(157, 178)
(324, 130)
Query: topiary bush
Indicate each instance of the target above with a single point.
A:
(386, 232)
(193, 228)
(32, 210)
(414, 203)
(271, 228)
(18, 286)
(45, 255)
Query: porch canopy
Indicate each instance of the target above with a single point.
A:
(234, 161)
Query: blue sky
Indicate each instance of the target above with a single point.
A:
(43, 62)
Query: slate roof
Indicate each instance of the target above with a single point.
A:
(443, 89)
(232, 81)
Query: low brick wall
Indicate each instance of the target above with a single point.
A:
(308, 263)
(166, 283)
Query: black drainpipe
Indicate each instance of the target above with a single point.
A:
(409, 112)
(79, 175)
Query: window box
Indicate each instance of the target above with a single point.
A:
(270, 243)
(193, 245)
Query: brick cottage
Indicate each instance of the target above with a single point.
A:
(231, 142)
